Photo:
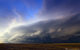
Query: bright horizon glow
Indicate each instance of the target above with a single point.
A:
(7, 30)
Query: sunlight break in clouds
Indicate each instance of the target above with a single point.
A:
(14, 23)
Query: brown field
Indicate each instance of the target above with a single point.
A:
(54, 46)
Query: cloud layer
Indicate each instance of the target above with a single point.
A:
(47, 31)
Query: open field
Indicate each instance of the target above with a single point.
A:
(55, 46)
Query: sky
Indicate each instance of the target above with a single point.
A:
(25, 17)
(17, 12)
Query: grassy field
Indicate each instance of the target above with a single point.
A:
(54, 46)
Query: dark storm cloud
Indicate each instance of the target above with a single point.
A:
(47, 31)
(57, 9)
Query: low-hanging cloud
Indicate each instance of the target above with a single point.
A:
(46, 31)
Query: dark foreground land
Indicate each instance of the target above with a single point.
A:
(58, 46)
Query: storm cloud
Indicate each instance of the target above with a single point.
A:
(39, 21)
(47, 31)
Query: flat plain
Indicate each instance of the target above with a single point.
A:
(54, 46)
